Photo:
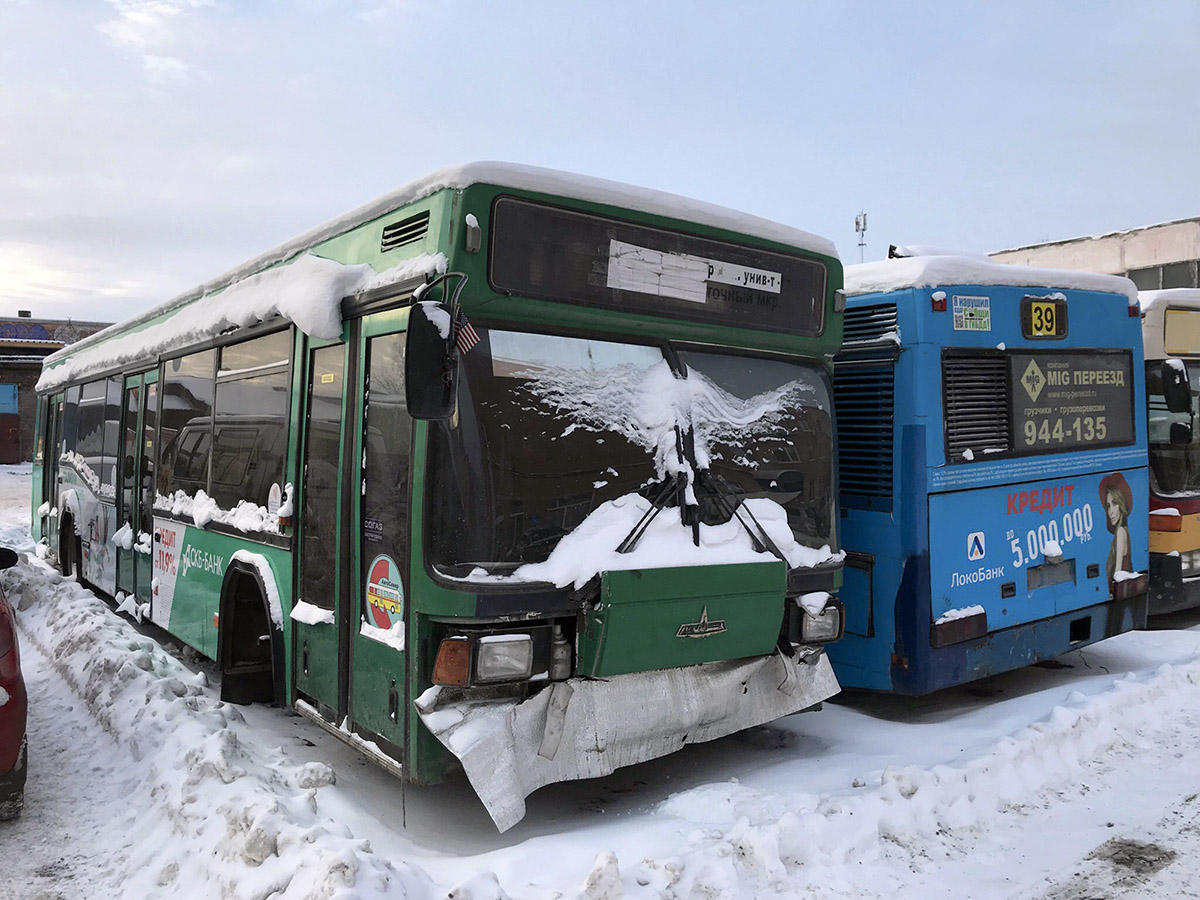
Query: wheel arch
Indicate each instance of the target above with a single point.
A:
(251, 569)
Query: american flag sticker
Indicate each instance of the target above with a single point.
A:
(465, 336)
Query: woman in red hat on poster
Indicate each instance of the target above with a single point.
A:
(1117, 498)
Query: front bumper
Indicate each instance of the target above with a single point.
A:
(587, 728)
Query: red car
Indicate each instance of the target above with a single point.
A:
(12, 706)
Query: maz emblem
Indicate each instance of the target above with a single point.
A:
(701, 629)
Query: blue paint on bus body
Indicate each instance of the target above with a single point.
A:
(935, 536)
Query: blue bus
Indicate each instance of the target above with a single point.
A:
(993, 469)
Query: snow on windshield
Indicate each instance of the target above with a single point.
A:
(646, 405)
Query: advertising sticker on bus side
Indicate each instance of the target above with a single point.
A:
(1071, 400)
(972, 313)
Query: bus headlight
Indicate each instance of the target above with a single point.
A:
(503, 657)
(823, 628)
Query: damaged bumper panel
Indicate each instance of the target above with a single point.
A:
(587, 728)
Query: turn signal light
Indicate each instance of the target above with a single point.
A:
(453, 664)
(1160, 522)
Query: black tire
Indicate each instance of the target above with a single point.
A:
(12, 788)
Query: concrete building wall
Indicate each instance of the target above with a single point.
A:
(1156, 256)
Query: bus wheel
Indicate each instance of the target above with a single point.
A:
(247, 641)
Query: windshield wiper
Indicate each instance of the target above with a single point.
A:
(673, 489)
(725, 496)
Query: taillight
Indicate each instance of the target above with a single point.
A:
(1165, 521)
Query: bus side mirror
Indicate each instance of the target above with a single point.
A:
(1181, 434)
(430, 362)
(1176, 386)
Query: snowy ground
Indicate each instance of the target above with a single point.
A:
(1052, 783)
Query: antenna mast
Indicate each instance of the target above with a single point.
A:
(860, 228)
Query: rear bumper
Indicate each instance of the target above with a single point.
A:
(586, 728)
(1169, 590)
(1013, 648)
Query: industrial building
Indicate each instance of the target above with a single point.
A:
(1154, 257)
(24, 343)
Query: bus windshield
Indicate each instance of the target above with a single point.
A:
(1175, 468)
(548, 428)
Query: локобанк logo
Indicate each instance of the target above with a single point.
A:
(976, 546)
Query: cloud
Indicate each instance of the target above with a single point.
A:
(167, 70)
(149, 28)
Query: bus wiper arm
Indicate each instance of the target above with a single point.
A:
(724, 494)
(672, 488)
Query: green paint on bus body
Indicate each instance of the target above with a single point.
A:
(646, 619)
(663, 618)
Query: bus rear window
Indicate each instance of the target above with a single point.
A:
(569, 256)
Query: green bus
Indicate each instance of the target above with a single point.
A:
(509, 471)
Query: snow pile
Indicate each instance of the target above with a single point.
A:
(123, 537)
(222, 817)
(748, 843)
(307, 291)
(591, 547)
(953, 615)
(933, 271)
(245, 516)
(311, 614)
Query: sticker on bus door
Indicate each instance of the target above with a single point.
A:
(168, 544)
(385, 593)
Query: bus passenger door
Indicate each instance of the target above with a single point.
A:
(136, 477)
(145, 462)
(127, 497)
(320, 613)
(380, 530)
(50, 464)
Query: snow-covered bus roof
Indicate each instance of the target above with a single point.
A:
(935, 271)
(1185, 337)
(249, 297)
(1152, 300)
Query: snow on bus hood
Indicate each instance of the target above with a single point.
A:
(307, 291)
(591, 547)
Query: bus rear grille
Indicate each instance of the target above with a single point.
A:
(406, 231)
(975, 389)
(867, 324)
(864, 395)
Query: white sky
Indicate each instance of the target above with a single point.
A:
(149, 145)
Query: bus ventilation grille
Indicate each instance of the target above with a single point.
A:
(406, 231)
(864, 395)
(869, 324)
(976, 404)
